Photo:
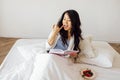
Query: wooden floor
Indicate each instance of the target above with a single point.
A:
(7, 43)
(5, 46)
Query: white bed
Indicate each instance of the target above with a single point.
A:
(31, 65)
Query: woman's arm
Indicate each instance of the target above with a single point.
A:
(53, 37)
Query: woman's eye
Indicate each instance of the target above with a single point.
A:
(69, 20)
(64, 19)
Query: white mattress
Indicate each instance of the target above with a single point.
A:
(18, 67)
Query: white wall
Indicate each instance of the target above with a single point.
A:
(34, 18)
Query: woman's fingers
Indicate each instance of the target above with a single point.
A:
(57, 28)
(61, 27)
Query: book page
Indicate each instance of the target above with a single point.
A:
(62, 52)
(56, 51)
(70, 52)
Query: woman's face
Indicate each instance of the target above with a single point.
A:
(66, 22)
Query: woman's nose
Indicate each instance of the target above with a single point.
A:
(66, 21)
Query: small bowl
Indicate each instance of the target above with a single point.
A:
(87, 73)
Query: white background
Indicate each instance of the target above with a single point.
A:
(34, 18)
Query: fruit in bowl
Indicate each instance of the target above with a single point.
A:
(87, 74)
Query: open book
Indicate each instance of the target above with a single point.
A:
(62, 52)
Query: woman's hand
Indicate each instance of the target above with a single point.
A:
(53, 34)
(56, 28)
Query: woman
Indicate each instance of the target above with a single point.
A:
(66, 35)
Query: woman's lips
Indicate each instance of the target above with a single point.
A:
(65, 25)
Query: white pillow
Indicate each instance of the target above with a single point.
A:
(104, 57)
(86, 47)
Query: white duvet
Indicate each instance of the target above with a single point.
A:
(34, 63)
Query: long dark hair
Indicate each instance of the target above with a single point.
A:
(75, 30)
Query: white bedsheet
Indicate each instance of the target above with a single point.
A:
(49, 67)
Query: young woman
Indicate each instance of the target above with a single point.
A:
(66, 35)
